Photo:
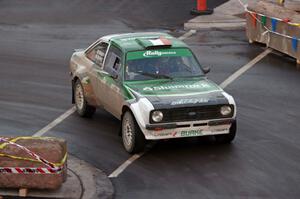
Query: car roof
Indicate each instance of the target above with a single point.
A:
(129, 41)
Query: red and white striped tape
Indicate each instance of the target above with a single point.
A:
(27, 170)
(50, 169)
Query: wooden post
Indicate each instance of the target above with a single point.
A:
(281, 2)
(23, 192)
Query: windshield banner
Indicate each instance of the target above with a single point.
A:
(158, 53)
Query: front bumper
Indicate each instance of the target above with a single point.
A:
(187, 129)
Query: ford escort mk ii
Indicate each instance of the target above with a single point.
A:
(155, 85)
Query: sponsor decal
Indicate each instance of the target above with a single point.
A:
(189, 101)
(163, 134)
(146, 54)
(180, 86)
(191, 133)
(157, 53)
(99, 56)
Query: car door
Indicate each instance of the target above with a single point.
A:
(111, 87)
(96, 56)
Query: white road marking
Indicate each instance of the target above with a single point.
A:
(187, 34)
(243, 69)
(55, 122)
(134, 157)
(123, 166)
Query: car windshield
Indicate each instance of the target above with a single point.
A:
(161, 64)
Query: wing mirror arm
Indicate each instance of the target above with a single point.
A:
(114, 74)
(206, 69)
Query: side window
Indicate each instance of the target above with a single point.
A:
(117, 64)
(97, 54)
(113, 61)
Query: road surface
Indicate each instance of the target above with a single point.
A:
(36, 41)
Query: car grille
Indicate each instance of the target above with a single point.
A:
(192, 114)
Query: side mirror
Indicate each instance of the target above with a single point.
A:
(206, 70)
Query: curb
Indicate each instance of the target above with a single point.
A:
(224, 18)
(84, 182)
(95, 183)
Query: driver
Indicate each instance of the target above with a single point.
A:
(159, 66)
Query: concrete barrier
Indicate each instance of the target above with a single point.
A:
(293, 5)
(32, 162)
(276, 26)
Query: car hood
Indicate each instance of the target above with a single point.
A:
(178, 92)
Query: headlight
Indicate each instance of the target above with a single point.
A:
(157, 116)
(225, 110)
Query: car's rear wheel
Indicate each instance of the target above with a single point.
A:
(133, 138)
(227, 138)
(82, 107)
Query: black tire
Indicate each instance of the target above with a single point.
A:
(227, 138)
(136, 142)
(82, 107)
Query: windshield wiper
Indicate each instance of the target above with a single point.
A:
(154, 75)
(191, 76)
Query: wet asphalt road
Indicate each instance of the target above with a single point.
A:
(36, 41)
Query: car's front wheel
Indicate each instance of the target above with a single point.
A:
(227, 138)
(133, 138)
(82, 107)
